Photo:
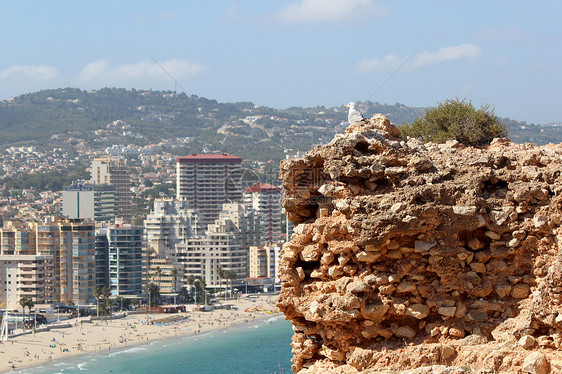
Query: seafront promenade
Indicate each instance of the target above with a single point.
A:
(84, 336)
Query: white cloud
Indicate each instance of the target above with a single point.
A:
(42, 72)
(329, 10)
(18, 79)
(419, 60)
(447, 54)
(376, 64)
(105, 73)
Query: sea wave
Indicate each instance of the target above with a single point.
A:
(82, 365)
(276, 318)
(132, 350)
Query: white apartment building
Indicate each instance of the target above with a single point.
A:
(29, 276)
(94, 202)
(223, 246)
(170, 222)
(265, 200)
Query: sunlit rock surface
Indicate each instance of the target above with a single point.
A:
(423, 258)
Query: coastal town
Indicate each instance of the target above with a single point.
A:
(85, 251)
(210, 199)
(117, 223)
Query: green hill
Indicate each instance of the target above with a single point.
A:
(253, 132)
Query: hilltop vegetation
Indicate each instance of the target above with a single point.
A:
(459, 120)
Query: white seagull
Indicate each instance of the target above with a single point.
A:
(354, 115)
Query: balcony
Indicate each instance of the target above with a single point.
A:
(33, 278)
(29, 293)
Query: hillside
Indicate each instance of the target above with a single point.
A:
(251, 131)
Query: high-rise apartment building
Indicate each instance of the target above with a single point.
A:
(28, 276)
(71, 243)
(223, 246)
(170, 222)
(265, 200)
(126, 254)
(94, 202)
(62, 249)
(102, 259)
(114, 171)
(23, 273)
(16, 239)
(207, 181)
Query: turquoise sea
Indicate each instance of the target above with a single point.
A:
(260, 347)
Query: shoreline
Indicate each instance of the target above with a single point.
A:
(103, 337)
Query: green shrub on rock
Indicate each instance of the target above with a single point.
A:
(459, 120)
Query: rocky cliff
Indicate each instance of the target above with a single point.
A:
(424, 257)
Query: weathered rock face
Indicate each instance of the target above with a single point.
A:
(409, 255)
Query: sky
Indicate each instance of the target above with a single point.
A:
(306, 53)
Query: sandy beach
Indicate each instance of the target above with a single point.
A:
(84, 336)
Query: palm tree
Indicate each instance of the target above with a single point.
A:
(200, 284)
(195, 286)
(190, 282)
(119, 302)
(183, 294)
(153, 293)
(25, 302)
(222, 274)
(30, 304)
(159, 274)
(97, 295)
(174, 275)
(203, 289)
(22, 302)
(231, 275)
(106, 293)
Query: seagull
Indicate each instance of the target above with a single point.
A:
(354, 115)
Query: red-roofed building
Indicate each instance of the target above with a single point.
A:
(265, 200)
(207, 181)
(263, 187)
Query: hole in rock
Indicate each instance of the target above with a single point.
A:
(383, 185)
(307, 266)
(492, 187)
(362, 146)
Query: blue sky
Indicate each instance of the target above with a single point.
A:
(294, 53)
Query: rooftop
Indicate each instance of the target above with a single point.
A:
(209, 158)
(263, 187)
